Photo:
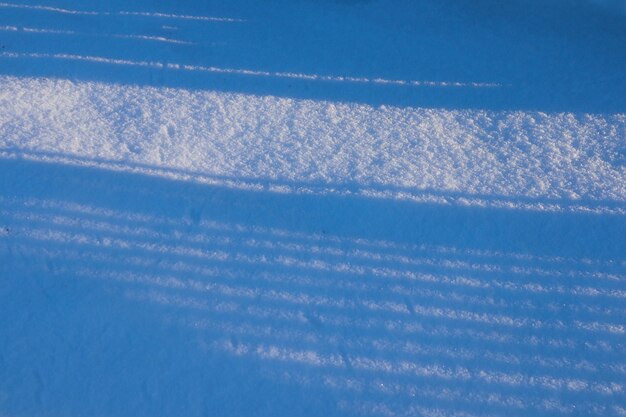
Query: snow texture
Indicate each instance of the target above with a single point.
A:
(614, 5)
(312, 208)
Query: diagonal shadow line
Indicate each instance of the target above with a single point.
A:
(321, 244)
(596, 237)
(534, 86)
(61, 10)
(429, 276)
(615, 207)
(415, 308)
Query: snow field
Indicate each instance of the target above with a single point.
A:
(405, 329)
(295, 208)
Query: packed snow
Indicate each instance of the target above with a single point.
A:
(299, 208)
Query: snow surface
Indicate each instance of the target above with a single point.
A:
(298, 208)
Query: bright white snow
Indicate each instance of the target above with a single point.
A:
(403, 152)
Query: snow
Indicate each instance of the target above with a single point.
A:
(618, 6)
(303, 143)
(339, 208)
